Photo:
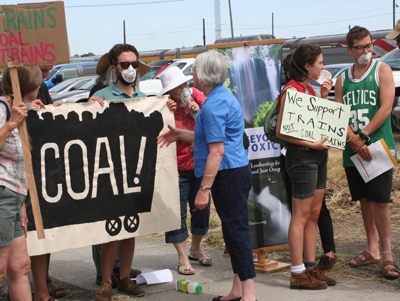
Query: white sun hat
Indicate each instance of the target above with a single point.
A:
(171, 78)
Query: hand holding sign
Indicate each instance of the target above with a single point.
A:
(311, 118)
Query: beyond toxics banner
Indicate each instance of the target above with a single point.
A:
(254, 78)
(100, 175)
(33, 34)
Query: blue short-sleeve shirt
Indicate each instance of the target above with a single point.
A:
(111, 92)
(220, 119)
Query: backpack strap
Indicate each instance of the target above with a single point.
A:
(7, 109)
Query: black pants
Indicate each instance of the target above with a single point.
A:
(230, 192)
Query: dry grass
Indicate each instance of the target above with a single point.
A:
(348, 226)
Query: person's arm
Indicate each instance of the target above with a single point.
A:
(386, 98)
(18, 114)
(356, 143)
(175, 134)
(317, 145)
(216, 152)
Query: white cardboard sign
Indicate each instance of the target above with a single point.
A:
(311, 118)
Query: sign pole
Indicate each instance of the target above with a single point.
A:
(23, 132)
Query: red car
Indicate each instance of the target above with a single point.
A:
(156, 68)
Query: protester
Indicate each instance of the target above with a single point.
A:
(221, 162)
(370, 122)
(43, 93)
(325, 226)
(186, 105)
(126, 69)
(14, 258)
(44, 286)
(395, 34)
(306, 166)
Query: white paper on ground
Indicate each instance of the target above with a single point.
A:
(154, 277)
(382, 160)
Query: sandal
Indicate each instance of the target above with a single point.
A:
(388, 267)
(185, 269)
(203, 260)
(365, 258)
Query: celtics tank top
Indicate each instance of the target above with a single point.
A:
(363, 97)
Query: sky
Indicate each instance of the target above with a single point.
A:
(96, 25)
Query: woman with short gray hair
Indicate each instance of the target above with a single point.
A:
(222, 165)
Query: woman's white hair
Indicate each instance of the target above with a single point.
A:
(211, 68)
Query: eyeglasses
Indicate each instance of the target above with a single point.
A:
(125, 65)
(362, 47)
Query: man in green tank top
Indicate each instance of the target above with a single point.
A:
(368, 87)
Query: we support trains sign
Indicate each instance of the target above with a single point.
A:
(33, 34)
(311, 118)
(100, 175)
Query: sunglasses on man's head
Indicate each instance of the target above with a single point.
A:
(125, 65)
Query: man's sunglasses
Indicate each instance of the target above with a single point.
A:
(362, 47)
(125, 65)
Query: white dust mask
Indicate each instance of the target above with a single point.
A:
(365, 58)
(129, 75)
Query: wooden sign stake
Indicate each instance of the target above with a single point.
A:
(23, 132)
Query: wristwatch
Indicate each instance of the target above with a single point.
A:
(205, 188)
(364, 136)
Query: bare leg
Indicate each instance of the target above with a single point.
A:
(300, 214)
(180, 249)
(236, 290)
(383, 224)
(371, 231)
(40, 268)
(311, 227)
(4, 256)
(18, 270)
(195, 248)
(126, 251)
(248, 290)
(109, 252)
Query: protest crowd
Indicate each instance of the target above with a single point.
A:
(213, 165)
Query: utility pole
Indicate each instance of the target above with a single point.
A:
(273, 31)
(230, 16)
(217, 17)
(124, 32)
(204, 32)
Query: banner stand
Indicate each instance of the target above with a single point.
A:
(263, 265)
(23, 132)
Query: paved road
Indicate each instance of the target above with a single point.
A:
(74, 270)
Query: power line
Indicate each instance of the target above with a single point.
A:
(123, 4)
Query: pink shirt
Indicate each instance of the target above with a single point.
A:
(184, 120)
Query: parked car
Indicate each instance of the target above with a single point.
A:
(152, 87)
(77, 95)
(335, 70)
(392, 59)
(156, 68)
(69, 85)
(62, 72)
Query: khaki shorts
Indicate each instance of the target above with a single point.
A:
(10, 216)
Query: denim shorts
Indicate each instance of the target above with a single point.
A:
(10, 216)
(307, 170)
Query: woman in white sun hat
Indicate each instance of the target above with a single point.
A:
(186, 103)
